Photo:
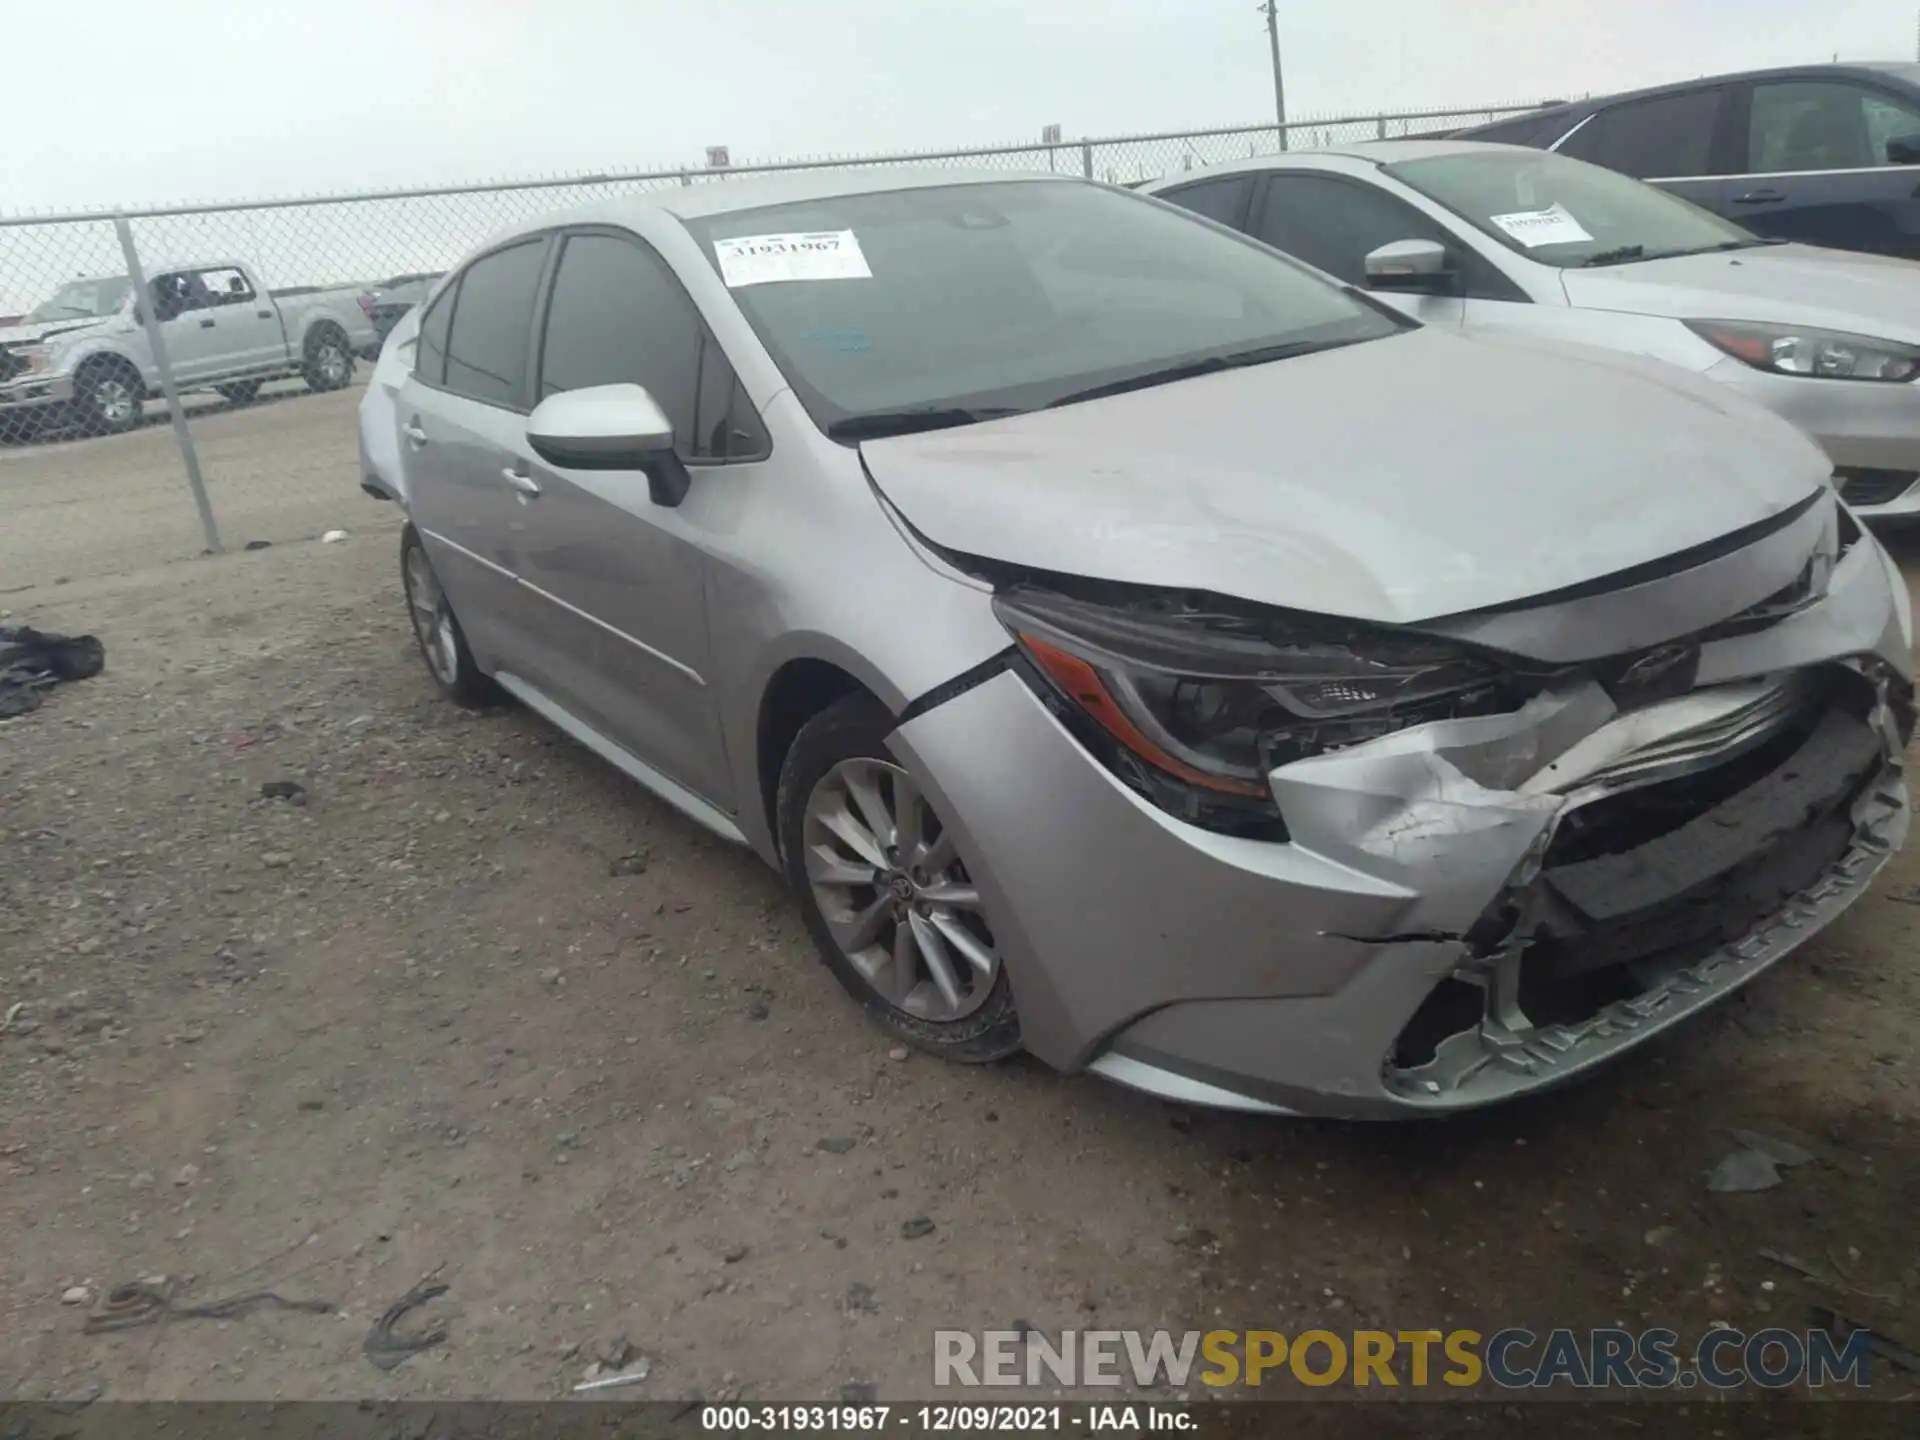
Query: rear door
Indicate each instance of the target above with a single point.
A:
(1677, 140)
(622, 580)
(246, 325)
(1818, 168)
(463, 421)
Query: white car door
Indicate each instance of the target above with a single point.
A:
(246, 326)
(1336, 221)
(187, 325)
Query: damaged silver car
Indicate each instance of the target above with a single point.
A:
(1137, 649)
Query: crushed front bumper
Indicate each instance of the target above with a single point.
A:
(1420, 944)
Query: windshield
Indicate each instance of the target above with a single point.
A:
(83, 299)
(1566, 212)
(963, 301)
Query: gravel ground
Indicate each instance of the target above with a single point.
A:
(480, 1006)
(74, 508)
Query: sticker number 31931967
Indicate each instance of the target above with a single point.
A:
(818, 255)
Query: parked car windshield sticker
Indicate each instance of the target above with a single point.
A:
(1551, 226)
(762, 259)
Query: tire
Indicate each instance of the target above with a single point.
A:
(108, 399)
(240, 392)
(443, 644)
(838, 773)
(328, 361)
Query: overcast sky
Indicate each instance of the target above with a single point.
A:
(110, 102)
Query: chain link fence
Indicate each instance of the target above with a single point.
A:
(220, 412)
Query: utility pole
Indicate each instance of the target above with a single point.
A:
(1279, 85)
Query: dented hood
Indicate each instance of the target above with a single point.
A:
(1397, 480)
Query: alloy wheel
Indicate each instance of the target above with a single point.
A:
(113, 400)
(432, 620)
(894, 893)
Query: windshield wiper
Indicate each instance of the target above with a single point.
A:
(1640, 252)
(1189, 369)
(878, 424)
(1615, 255)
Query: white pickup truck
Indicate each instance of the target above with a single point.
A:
(82, 357)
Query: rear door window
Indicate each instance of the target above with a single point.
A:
(226, 286)
(1534, 130)
(430, 355)
(1665, 137)
(486, 354)
(1224, 200)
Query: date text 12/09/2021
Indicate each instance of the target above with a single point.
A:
(948, 1419)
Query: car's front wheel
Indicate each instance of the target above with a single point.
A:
(443, 645)
(886, 895)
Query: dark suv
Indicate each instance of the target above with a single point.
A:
(1823, 154)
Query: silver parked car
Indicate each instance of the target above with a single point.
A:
(1136, 649)
(1497, 238)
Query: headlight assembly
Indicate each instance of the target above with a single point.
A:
(1818, 354)
(1192, 703)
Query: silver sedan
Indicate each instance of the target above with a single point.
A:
(1498, 239)
(1137, 650)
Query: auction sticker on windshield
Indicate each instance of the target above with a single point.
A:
(763, 259)
(1551, 226)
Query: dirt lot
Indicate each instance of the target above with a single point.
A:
(279, 469)
(437, 1017)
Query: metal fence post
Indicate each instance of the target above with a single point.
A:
(1086, 159)
(188, 455)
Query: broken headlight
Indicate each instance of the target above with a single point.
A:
(1192, 701)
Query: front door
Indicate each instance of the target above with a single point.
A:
(1335, 222)
(621, 579)
(188, 326)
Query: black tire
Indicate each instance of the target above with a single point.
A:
(855, 728)
(328, 361)
(108, 398)
(240, 392)
(442, 643)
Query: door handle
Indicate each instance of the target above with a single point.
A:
(263, 314)
(414, 433)
(526, 485)
(206, 324)
(1759, 197)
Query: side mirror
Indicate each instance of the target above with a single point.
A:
(1903, 150)
(610, 427)
(1417, 265)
